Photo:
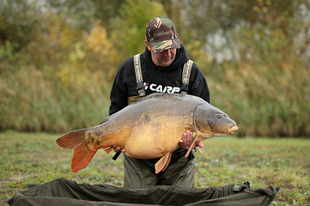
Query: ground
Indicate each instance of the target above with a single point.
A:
(35, 158)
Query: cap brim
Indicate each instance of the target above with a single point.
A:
(158, 47)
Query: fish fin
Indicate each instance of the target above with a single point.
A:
(167, 162)
(163, 163)
(81, 157)
(72, 140)
(108, 149)
(192, 145)
(105, 120)
(200, 150)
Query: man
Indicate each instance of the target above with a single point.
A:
(161, 67)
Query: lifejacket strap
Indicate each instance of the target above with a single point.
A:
(139, 78)
(187, 68)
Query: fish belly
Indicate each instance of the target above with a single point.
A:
(150, 128)
(153, 142)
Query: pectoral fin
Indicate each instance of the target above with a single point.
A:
(163, 163)
(108, 149)
(192, 145)
(200, 150)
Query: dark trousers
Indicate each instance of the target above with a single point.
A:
(141, 173)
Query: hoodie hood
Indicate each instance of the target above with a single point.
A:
(179, 61)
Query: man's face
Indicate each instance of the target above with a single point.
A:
(164, 58)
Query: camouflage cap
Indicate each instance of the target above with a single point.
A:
(162, 34)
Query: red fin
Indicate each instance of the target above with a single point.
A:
(108, 149)
(81, 157)
(72, 140)
(167, 162)
(163, 163)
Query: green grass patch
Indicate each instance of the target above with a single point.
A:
(35, 158)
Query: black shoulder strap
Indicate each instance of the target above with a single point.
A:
(139, 78)
(187, 68)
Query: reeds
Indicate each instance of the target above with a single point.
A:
(49, 89)
(31, 100)
(262, 99)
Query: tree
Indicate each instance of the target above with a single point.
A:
(20, 22)
(128, 34)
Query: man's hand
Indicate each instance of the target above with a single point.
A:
(187, 139)
(116, 149)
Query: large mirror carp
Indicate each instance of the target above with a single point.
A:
(149, 128)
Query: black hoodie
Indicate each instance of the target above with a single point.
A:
(156, 79)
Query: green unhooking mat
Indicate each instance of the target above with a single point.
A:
(63, 192)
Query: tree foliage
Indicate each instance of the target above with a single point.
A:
(58, 59)
(19, 22)
(128, 33)
(212, 22)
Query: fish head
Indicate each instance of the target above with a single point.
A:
(210, 121)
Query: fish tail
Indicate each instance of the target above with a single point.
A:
(72, 140)
(81, 157)
(82, 153)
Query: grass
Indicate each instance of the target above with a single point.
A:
(35, 158)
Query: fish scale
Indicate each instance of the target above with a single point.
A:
(149, 128)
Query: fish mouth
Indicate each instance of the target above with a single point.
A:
(232, 129)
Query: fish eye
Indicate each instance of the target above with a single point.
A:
(219, 116)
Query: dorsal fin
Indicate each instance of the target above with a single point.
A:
(105, 120)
